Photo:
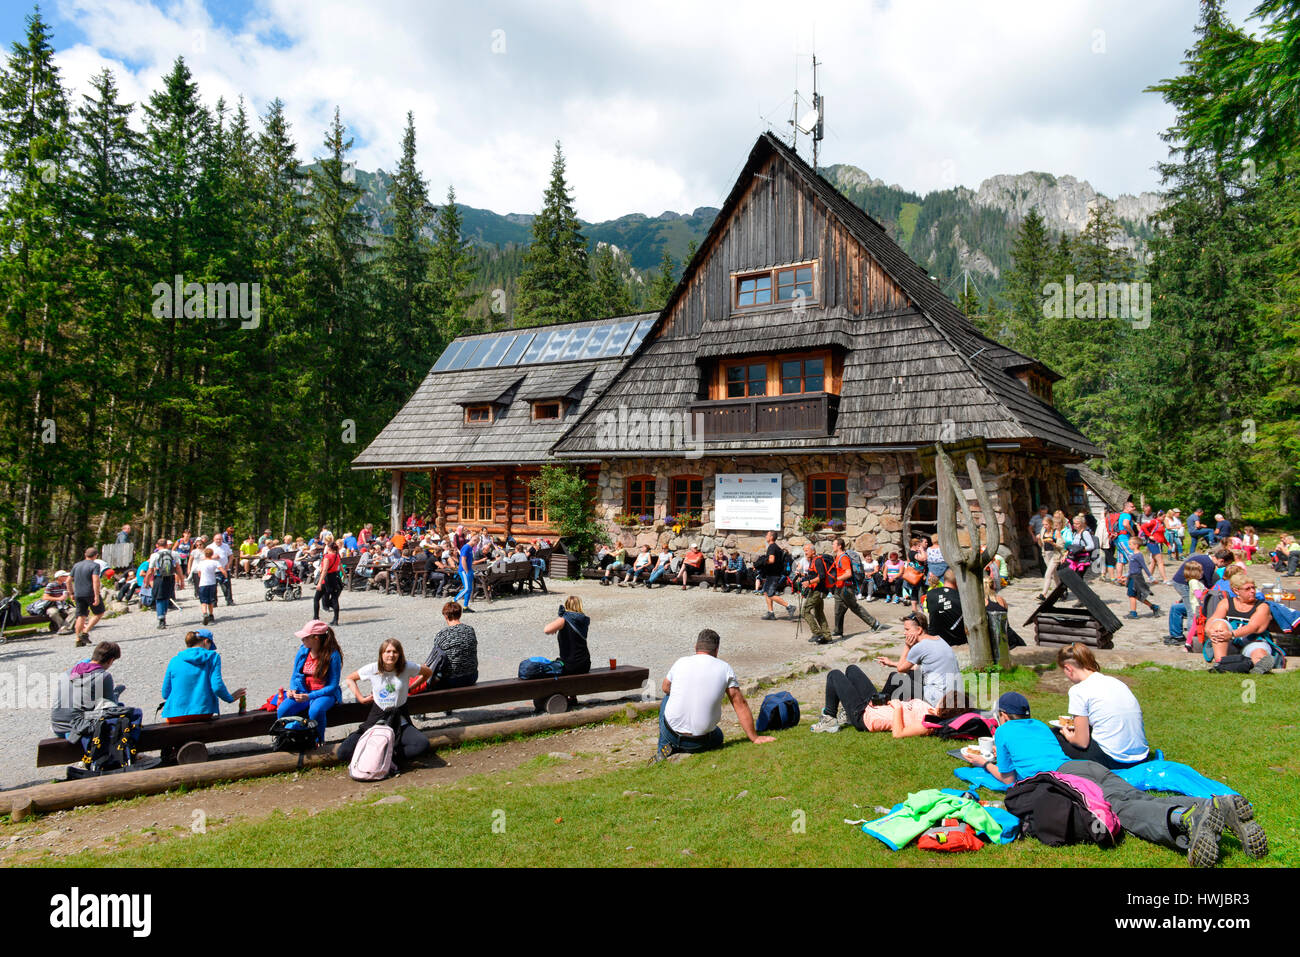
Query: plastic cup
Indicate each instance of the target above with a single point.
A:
(613, 663)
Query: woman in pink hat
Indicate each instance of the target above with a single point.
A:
(317, 669)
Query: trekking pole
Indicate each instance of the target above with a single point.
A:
(798, 626)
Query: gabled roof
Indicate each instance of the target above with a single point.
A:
(430, 430)
(906, 374)
(1107, 489)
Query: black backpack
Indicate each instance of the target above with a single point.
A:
(1233, 664)
(294, 734)
(11, 611)
(110, 743)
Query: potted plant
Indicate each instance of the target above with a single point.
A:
(836, 525)
(624, 520)
(808, 526)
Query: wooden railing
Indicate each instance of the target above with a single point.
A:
(806, 415)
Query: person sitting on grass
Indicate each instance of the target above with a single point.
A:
(1108, 724)
(931, 655)
(314, 684)
(851, 692)
(1023, 747)
(389, 679)
(692, 705)
(193, 684)
(1138, 590)
(692, 564)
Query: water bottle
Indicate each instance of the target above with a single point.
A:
(243, 702)
(1277, 590)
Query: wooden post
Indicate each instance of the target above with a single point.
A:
(395, 503)
(440, 508)
(510, 499)
(968, 562)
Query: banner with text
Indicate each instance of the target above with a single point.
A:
(748, 502)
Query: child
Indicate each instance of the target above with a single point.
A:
(1138, 590)
(1187, 611)
(894, 579)
(389, 676)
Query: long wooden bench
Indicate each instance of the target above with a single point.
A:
(521, 573)
(26, 621)
(235, 727)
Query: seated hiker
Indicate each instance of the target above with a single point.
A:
(1108, 724)
(57, 608)
(931, 655)
(389, 678)
(663, 565)
(1023, 747)
(1193, 825)
(692, 704)
(80, 691)
(866, 709)
(728, 570)
(453, 660)
(616, 567)
(692, 564)
(943, 608)
(571, 628)
(640, 569)
(193, 683)
(314, 684)
(1248, 619)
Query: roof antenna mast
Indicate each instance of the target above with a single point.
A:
(812, 123)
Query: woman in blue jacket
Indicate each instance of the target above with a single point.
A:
(193, 682)
(317, 669)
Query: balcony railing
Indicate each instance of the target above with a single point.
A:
(806, 415)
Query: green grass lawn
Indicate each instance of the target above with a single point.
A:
(742, 806)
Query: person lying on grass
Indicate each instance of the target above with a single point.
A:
(1022, 746)
(866, 709)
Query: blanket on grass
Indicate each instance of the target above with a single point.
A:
(1157, 775)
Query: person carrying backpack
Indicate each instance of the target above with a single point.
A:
(846, 593)
(817, 583)
(80, 690)
(389, 678)
(163, 578)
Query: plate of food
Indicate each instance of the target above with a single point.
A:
(971, 751)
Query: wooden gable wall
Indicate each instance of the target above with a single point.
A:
(779, 221)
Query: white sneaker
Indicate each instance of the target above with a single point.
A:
(827, 724)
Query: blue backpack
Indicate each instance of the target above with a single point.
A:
(537, 667)
(779, 710)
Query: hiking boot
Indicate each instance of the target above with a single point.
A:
(1264, 665)
(768, 616)
(877, 625)
(1174, 640)
(1155, 610)
(1131, 614)
(1239, 817)
(828, 724)
(822, 640)
(836, 637)
(82, 642)
(662, 753)
(791, 613)
(1203, 825)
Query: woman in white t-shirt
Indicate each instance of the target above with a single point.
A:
(389, 678)
(1108, 726)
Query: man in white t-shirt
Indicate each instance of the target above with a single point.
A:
(1108, 727)
(207, 568)
(692, 706)
(223, 553)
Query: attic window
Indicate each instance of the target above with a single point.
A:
(789, 283)
(478, 414)
(547, 411)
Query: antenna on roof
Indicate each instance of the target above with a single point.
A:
(811, 123)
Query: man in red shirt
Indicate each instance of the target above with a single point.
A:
(816, 582)
(846, 597)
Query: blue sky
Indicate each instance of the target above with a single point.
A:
(658, 104)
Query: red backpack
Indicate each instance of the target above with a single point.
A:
(951, 835)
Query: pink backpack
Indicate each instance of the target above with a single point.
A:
(1103, 817)
(373, 758)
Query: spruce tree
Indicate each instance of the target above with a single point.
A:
(610, 293)
(663, 283)
(451, 272)
(1030, 263)
(555, 285)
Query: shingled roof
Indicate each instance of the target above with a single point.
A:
(906, 373)
(430, 430)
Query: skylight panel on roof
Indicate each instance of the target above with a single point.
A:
(535, 350)
(517, 348)
(448, 356)
(577, 340)
(596, 342)
(470, 357)
(555, 347)
(642, 328)
(618, 339)
(500, 346)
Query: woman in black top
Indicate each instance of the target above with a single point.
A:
(454, 657)
(571, 627)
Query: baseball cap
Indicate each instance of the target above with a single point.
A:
(1013, 702)
(61, 573)
(695, 544)
(206, 633)
(313, 627)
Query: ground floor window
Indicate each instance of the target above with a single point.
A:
(640, 495)
(476, 501)
(687, 494)
(536, 509)
(828, 497)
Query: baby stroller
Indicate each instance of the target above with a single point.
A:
(282, 579)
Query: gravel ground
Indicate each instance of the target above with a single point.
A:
(652, 630)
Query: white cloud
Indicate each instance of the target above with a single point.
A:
(657, 105)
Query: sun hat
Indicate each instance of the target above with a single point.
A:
(313, 627)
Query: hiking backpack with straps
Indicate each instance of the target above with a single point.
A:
(166, 565)
(778, 710)
(110, 742)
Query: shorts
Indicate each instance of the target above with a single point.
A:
(1153, 548)
(1253, 646)
(207, 594)
(84, 606)
(772, 584)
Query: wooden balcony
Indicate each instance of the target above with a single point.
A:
(802, 416)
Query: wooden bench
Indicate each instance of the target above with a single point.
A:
(235, 727)
(521, 573)
(27, 620)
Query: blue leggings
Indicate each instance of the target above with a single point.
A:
(466, 587)
(314, 709)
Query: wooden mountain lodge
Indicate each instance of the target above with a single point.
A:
(795, 372)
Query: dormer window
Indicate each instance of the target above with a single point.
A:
(549, 411)
(754, 290)
(478, 414)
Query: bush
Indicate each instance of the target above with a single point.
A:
(568, 502)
